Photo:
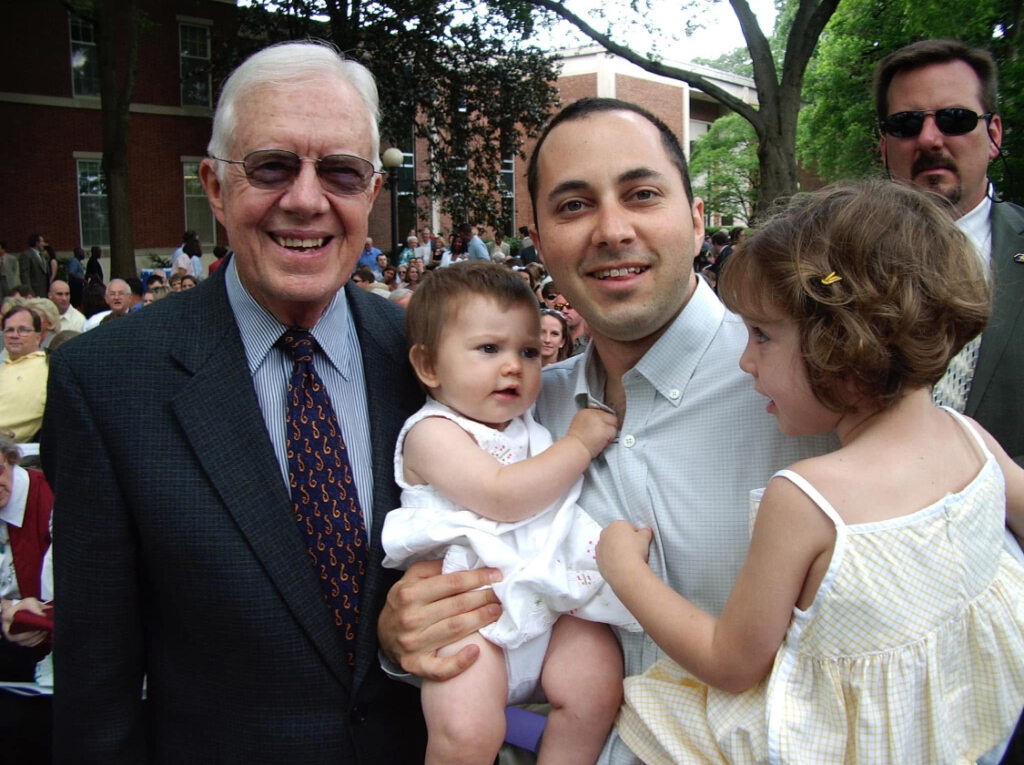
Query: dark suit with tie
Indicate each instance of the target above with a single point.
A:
(34, 272)
(179, 556)
(996, 398)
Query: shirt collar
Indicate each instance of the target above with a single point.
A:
(977, 226)
(260, 330)
(670, 363)
(13, 513)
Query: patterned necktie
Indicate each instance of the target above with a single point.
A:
(323, 488)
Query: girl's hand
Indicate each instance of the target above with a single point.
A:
(621, 549)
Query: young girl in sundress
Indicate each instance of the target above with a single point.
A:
(879, 616)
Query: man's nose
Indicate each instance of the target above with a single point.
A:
(305, 194)
(613, 226)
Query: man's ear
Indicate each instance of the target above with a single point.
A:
(535, 238)
(213, 187)
(995, 136)
(423, 366)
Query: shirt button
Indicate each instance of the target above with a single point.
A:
(674, 394)
(629, 441)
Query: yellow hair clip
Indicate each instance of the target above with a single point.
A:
(832, 278)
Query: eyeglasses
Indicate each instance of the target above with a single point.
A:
(341, 174)
(951, 121)
(117, 293)
(562, 306)
(19, 331)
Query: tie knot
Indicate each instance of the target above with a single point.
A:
(299, 343)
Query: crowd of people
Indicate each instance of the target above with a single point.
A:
(485, 473)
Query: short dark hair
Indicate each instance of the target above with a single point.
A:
(437, 300)
(720, 237)
(135, 285)
(365, 273)
(585, 107)
(34, 239)
(882, 285)
(37, 319)
(926, 52)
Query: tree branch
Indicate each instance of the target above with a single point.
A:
(690, 77)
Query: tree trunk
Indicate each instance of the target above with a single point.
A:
(116, 37)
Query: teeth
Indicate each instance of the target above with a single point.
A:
(300, 244)
(613, 272)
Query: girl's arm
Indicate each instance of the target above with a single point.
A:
(735, 652)
(1014, 475)
(440, 453)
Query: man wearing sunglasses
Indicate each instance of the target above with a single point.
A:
(198, 551)
(936, 107)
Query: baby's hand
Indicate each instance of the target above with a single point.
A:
(595, 428)
(621, 547)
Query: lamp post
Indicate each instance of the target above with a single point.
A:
(392, 159)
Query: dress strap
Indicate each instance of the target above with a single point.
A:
(805, 486)
(974, 433)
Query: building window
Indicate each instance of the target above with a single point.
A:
(85, 65)
(198, 215)
(92, 203)
(508, 195)
(195, 64)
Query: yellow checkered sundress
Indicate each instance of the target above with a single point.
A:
(912, 652)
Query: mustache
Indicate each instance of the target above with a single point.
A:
(932, 162)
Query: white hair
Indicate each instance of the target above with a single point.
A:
(291, 63)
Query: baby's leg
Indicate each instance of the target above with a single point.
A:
(466, 715)
(582, 678)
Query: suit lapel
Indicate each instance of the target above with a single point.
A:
(1007, 306)
(220, 416)
(391, 395)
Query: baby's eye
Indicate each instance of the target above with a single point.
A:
(531, 353)
(488, 348)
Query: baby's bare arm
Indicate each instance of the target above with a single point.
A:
(440, 453)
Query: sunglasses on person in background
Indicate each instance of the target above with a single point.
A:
(561, 306)
(951, 121)
(341, 174)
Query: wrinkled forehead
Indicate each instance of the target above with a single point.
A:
(323, 115)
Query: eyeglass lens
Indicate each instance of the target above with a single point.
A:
(339, 173)
(18, 331)
(562, 306)
(951, 121)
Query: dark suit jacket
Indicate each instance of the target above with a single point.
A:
(34, 273)
(996, 399)
(179, 557)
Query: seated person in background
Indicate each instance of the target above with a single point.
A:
(23, 374)
(483, 485)
(26, 503)
(50, 316)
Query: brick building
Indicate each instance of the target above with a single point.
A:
(590, 71)
(52, 182)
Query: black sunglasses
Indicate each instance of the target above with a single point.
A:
(341, 174)
(951, 121)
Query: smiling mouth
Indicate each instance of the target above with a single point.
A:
(300, 245)
(613, 273)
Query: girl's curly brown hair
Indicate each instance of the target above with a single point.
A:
(912, 290)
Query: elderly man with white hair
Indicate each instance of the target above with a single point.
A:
(227, 549)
